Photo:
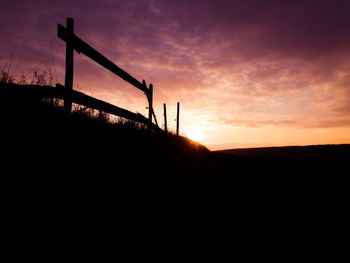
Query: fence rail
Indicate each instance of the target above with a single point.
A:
(47, 92)
(82, 47)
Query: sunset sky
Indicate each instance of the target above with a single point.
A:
(246, 72)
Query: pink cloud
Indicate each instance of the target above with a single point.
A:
(245, 63)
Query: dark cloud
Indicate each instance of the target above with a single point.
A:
(164, 29)
(259, 28)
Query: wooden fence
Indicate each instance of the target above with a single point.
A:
(59, 92)
(70, 96)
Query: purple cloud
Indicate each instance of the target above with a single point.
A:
(252, 63)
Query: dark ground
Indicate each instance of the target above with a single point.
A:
(71, 175)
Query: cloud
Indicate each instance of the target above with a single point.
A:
(252, 63)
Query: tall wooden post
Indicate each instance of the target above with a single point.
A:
(69, 66)
(150, 102)
(165, 118)
(178, 119)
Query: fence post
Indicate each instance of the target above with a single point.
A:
(150, 102)
(69, 66)
(165, 118)
(178, 118)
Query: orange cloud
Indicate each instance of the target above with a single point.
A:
(231, 63)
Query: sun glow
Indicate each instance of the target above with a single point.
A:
(195, 135)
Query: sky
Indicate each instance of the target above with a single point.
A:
(247, 73)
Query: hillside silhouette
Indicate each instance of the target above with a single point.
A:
(44, 138)
(77, 171)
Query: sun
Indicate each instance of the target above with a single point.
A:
(195, 135)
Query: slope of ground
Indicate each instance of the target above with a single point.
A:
(71, 171)
(55, 146)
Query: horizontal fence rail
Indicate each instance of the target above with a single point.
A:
(47, 92)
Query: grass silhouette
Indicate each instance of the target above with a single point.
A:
(86, 173)
(41, 76)
(154, 158)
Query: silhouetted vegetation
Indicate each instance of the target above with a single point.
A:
(39, 76)
(87, 170)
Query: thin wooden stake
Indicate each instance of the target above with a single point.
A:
(69, 66)
(178, 119)
(165, 118)
(150, 102)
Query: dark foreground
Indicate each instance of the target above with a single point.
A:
(71, 173)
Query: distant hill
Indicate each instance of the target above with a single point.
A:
(312, 152)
